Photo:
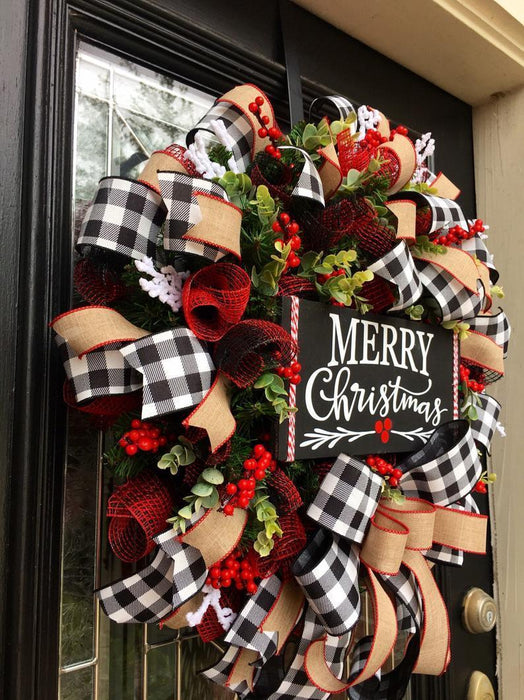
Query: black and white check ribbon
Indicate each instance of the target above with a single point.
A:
(398, 267)
(341, 104)
(183, 212)
(495, 327)
(445, 213)
(488, 411)
(445, 469)
(309, 184)
(327, 571)
(177, 370)
(125, 217)
(237, 126)
(296, 683)
(98, 373)
(176, 574)
(245, 630)
(455, 300)
(476, 247)
(347, 498)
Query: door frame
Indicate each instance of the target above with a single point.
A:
(38, 52)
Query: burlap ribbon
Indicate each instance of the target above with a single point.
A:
(200, 218)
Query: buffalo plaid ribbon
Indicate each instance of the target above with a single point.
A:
(237, 126)
(455, 300)
(125, 217)
(183, 212)
(175, 575)
(309, 184)
(341, 104)
(177, 370)
(484, 426)
(445, 213)
(495, 327)
(398, 267)
(98, 373)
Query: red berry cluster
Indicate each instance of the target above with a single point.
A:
(287, 226)
(255, 469)
(457, 234)
(273, 132)
(142, 436)
(473, 384)
(401, 130)
(385, 469)
(234, 568)
(292, 372)
(373, 138)
(480, 487)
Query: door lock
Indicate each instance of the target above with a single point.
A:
(480, 687)
(479, 612)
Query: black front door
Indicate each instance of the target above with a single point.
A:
(208, 49)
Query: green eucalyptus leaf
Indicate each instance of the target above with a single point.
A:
(264, 380)
(186, 512)
(201, 489)
(212, 476)
(211, 501)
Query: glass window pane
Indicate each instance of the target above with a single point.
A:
(79, 542)
(78, 685)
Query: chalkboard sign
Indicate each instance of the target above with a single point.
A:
(370, 383)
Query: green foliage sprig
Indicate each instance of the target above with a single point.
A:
(180, 455)
(204, 494)
(274, 392)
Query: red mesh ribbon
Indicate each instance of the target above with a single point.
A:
(378, 293)
(289, 499)
(286, 547)
(138, 510)
(214, 299)
(373, 237)
(275, 177)
(178, 152)
(329, 226)
(97, 284)
(353, 155)
(242, 353)
(423, 221)
(289, 285)
(105, 409)
(210, 628)
(390, 168)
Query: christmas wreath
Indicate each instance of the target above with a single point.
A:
(208, 286)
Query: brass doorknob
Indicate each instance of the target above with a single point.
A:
(480, 687)
(479, 612)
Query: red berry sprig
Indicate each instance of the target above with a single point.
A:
(142, 436)
(373, 139)
(237, 569)
(290, 230)
(255, 469)
(457, 233)
(401, 130)
(482, 484)
(385, 469)
(272, 132)
(292, 372)
(478, 385)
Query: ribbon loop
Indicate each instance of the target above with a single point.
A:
(200, 218)
(177, 370)
(397, 267)
(125, 218)
(446, 468)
